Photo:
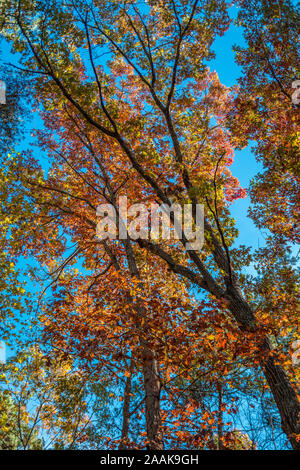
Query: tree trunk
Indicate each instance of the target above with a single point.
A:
(152, 391)
(283, 393)
(126, 409)
(150, 367)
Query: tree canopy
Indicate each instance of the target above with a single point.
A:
(131, 111)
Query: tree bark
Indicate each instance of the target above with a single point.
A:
(283, 393)
(152, 382)
(126, 408)
(152, 389)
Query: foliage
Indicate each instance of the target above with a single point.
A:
(130, 108)
(49, 404)
(266, 113)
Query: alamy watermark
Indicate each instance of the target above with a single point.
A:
(2, 92)
(296, 94)
(2, 352)
(154, 222)
(296, 352)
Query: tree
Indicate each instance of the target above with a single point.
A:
(266, 112)
(48, 403)
(153, 121)
(13, 209)
(9, 430)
